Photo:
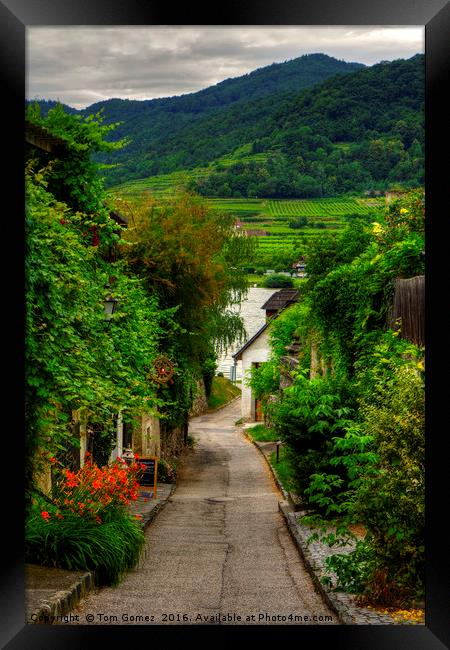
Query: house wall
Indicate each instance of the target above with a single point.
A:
(257, 352)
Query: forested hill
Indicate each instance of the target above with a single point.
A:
(349, 132)
(153, 125)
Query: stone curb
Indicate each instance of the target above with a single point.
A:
(276, 479)
(339, 602)
(285, 508)
(330, 598)
(62, 602)
(158, 507)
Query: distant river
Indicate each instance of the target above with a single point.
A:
(254, 318)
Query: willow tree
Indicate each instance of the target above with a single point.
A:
(193, 259)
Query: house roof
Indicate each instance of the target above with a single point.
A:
(281, 299)
(238, 355)
(41, 138)
(287, 298)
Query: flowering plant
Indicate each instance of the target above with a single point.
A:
(85, 524)
(94, 491)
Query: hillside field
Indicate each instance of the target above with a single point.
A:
(278, 244)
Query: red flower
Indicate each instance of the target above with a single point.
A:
(45, 515)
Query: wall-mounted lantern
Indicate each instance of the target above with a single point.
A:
(110, 306)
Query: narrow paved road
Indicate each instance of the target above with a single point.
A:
(219, 550)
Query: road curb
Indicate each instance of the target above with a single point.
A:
(62, 603)
(286, 509)
(261, 451)
(335, 604)
(158, 507)
(339, 602)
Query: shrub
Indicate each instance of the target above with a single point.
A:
(299, 222)
(167, 471)
(391, 503)
(308, 416)
(74, 542)
(278, 281)
(388, 496)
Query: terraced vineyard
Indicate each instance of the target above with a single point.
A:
(167, 186)
(162, 187)
(265, 219)
(241, 208)
(317, 207)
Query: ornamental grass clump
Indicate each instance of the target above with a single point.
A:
(86, 525)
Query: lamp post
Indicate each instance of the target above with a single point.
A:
(110, 306)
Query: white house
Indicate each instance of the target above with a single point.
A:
(254, 352)
(257, 350)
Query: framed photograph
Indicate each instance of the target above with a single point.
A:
(206, 105)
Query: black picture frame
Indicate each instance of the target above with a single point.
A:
(15, 16)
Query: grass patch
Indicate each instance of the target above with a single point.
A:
(79, 543)
(253, 278)
(283, 469)
(223, 391)
(261, 433)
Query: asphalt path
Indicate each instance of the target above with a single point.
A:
(219, 552)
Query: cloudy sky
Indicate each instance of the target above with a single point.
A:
(83, 65)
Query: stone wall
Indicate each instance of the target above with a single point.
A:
(146, 436)
(172, 441)
(200, 404)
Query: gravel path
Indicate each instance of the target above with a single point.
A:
(220, 551)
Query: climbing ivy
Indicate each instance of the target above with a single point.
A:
(72, 175)
(74, 358)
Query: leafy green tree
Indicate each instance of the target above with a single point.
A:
(354, 423)
(74, 176)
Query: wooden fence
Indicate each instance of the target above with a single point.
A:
(409, 306)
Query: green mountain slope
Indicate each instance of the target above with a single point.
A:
(355, 132)
(267, 135)
(155, 126)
